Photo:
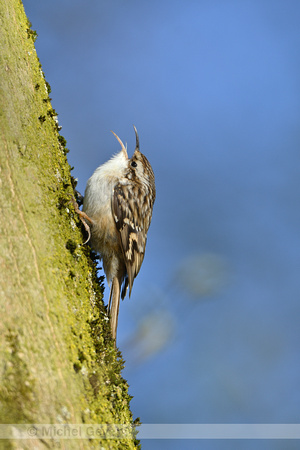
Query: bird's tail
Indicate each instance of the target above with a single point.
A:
(113, 306)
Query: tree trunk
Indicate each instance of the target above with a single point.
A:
(57, 359)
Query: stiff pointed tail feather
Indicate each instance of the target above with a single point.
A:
(113, 306)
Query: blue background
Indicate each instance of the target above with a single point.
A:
(211, 333)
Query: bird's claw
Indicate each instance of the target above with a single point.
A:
(83, 217)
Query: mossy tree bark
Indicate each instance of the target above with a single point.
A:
(57, 359)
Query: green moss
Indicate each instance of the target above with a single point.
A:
(31, 34)
(56, 349)
(42, 118)
(17, 391)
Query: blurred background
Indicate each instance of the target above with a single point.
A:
(211, 333)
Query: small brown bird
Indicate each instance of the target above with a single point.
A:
(118, 202)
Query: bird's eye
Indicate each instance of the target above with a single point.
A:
(133, 164)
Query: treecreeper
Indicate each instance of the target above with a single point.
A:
(117, 211)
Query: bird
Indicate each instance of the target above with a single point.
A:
(118, 204)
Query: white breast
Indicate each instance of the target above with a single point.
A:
(97, 205)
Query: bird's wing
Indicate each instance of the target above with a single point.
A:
(132, 213)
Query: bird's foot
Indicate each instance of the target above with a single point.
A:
(83, 217)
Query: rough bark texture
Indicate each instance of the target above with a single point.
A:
(57, 359)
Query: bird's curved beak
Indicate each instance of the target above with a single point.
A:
(122, 145)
